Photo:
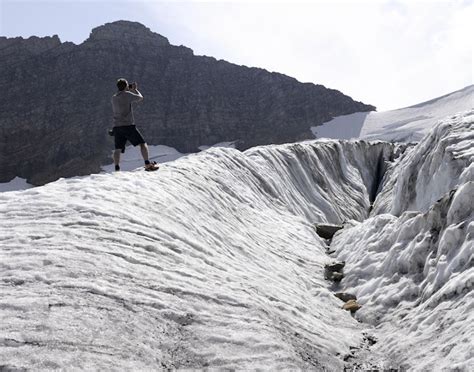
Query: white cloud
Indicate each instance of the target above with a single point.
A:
(388, 53)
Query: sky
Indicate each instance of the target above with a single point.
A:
(388, 53)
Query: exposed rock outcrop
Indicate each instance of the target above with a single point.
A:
(334, 271)
(352, 306)
(327, 231)
(345, 296)
(54, 117)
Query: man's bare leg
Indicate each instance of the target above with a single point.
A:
(117, 159)
(144, 150)
(149, 166)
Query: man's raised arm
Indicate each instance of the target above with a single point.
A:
(137, 96)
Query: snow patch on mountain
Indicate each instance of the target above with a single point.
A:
(15, 184)
(342, 127)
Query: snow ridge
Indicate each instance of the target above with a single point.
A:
(210, 262)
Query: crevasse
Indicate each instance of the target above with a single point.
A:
(413, 268)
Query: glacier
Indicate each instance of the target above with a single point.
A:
(214, 262)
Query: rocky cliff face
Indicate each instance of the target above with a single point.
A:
(56, 100)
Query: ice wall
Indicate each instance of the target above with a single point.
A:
(427, 171)
(326, 180)
(413, 270)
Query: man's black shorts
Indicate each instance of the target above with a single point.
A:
(130, 133)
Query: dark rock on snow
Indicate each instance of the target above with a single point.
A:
(345, 296)
(334, 271)
(327, 231)
(335, 277)
(352, 306)
(335, 267)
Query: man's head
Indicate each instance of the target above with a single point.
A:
(122, 84)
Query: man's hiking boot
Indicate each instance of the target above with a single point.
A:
(153, 166)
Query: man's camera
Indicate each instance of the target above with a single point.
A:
(131, 86)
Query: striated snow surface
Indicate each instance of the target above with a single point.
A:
(405, 124)
(213, 262)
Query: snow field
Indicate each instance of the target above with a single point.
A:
(210, 262)
(414, 122)
(403, 125)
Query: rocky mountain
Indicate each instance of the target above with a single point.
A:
(56, 100)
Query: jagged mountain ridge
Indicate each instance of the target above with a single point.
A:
(61, 99)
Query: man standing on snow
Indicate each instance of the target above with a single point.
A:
(124, 123)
